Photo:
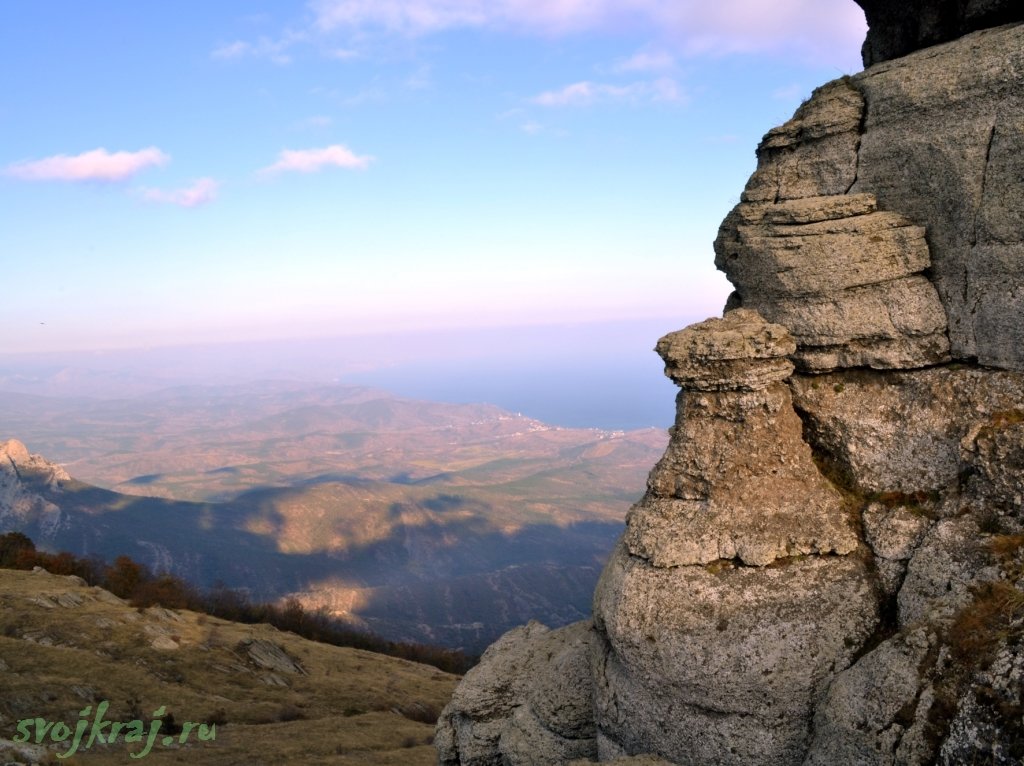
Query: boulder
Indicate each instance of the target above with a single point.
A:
(529, 702)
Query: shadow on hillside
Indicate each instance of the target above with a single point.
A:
(444, 571)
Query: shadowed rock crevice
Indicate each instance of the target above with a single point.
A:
(898, 28)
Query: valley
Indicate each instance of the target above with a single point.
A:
(429, 522)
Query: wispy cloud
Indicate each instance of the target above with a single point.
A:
(313, 160)
(690, 27)
(420, 78)
(204, 190)
(316, 121)
(95, 165)
(341, 54)
(275, 50)
(586, 93)
(646, 61)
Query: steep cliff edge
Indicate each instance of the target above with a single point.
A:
(828, 564)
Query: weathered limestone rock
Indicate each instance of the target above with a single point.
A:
(701, 634)
(896, 29)
(993, 466)
(629, 760)
(875, 711)
(987, 726)
(943, 144)
(925, 152)
(918, 432)
(737, 480)
(15, 456)
(942, 571)
(723, 665)
(738, 352)
(22, 506)
(815, 153)
(528, 702)
(269, 656)
(844, 277)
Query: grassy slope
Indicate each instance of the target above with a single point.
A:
(64, 646)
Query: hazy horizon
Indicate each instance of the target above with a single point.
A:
(598, 374)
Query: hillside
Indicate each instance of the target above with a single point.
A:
(424, 522)
(275, 697)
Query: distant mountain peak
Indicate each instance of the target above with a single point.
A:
(15, 451)
(15, 455)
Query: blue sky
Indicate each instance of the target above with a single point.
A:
(214, 171)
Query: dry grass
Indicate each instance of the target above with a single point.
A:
(346, 708)
(993, 616)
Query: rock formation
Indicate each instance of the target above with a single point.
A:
(899, 28)
(21, 474)
(828, 564)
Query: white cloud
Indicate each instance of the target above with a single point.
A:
(689, 27)
(586, 93)
(95, 165)
(199, 193)
(313, 160)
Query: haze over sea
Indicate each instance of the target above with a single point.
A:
(601, 375)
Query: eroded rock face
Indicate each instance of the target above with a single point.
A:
(943, 144)
(924, 431)
(844, 277)
(828, 565)
(723, 665)
(528, 702)
(737, 480)
(883, 225)
(21, 504)
(875, 712)
(733, 595)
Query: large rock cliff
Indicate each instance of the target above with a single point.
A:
(828, 564)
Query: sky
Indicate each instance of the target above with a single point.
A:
(188, 172)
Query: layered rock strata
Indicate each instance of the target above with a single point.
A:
(932, 142)
(737, 481)
(828, 564)
(736, 592)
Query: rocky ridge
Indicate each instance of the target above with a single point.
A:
(20, 473)
(828, 564)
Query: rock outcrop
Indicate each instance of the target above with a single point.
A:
(22, 476)
(528, 702)
(828, 564)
